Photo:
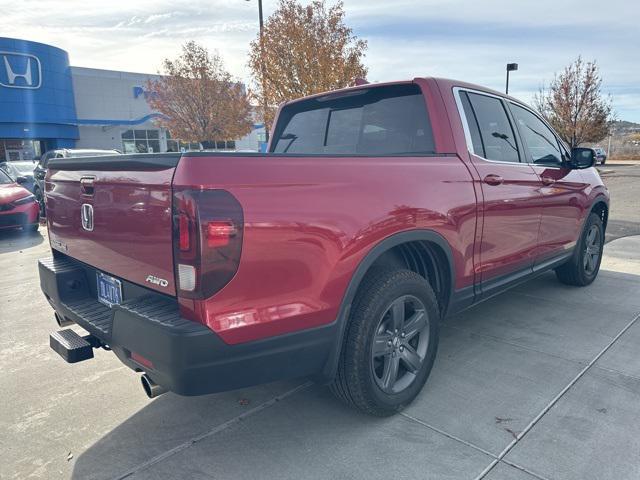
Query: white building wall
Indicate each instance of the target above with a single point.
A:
(107, 106)
(109, 95)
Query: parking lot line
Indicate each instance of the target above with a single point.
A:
(448, 435)
(555, 400)
(213, 431)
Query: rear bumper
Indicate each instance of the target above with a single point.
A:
(182, 356)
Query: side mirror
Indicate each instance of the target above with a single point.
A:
(583, 158)
(20, 180)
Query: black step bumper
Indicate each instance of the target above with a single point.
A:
(147, 334)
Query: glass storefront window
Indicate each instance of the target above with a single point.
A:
(180, 146)
(16, 150)
(141, 141)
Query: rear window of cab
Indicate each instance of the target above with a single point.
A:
(389, 120)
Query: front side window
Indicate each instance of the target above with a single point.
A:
(541, 144)
(390, 120)
(496, 133)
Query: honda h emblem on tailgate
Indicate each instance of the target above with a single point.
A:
(86, 214)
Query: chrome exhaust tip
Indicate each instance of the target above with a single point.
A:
(151, 388)
(61, 321)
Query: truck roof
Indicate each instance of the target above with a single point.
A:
(442, 82)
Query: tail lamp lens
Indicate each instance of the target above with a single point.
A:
(208, 230)
(184, 239)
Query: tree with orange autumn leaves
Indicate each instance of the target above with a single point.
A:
(575, 106)
(303, 50)
(198, 99)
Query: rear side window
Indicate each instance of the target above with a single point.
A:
(389, 120)
(496, 133)
(474, 128)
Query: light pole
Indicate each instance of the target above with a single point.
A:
(260, 15)
(511, 67)
(264, 106)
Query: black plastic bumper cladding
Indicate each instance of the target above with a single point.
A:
(187, 357)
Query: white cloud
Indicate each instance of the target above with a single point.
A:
(439, 39)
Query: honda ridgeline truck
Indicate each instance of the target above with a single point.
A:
(377, 211)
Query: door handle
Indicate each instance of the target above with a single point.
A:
(548, 180)
(492, 179)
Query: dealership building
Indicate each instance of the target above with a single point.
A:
(47, 104)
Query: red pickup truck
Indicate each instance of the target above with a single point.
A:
(378, 210)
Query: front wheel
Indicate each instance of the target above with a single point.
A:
(390, 343)
(584, 265)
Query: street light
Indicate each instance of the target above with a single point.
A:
(266, 129)
(260, 14)
(510, 68)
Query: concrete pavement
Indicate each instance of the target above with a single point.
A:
(542, 382)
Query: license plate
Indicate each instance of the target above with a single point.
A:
(109, 290)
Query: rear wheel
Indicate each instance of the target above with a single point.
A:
(584, 265)
(390, 343)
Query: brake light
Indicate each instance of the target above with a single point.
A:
(184, 236)
(208, 229)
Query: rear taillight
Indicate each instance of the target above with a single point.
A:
(208, 227)
(184, 240)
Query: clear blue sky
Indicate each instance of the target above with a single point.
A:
(469, 40)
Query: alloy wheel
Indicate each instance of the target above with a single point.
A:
(592, 250)
(400, 344)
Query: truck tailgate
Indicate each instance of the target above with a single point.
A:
(129, 199)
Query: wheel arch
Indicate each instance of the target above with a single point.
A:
(436, 255)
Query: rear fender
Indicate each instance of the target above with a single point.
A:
(374, 254)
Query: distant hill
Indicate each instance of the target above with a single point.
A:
(622, 128)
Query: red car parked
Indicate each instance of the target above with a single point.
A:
(378, 210)
(18, 207)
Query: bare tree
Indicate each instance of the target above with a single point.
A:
(304, 50)
(198, 99)
(574, 104)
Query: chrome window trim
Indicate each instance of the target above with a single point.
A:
(467, 132)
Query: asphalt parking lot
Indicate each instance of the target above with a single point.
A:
(542, 382)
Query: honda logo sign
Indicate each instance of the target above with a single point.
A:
(86, 215)
(20, 70)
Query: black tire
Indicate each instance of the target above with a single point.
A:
(580, 270)
(33, 228)
(362, 371)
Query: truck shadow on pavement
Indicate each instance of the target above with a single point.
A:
(16, 240)
(500, 365)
